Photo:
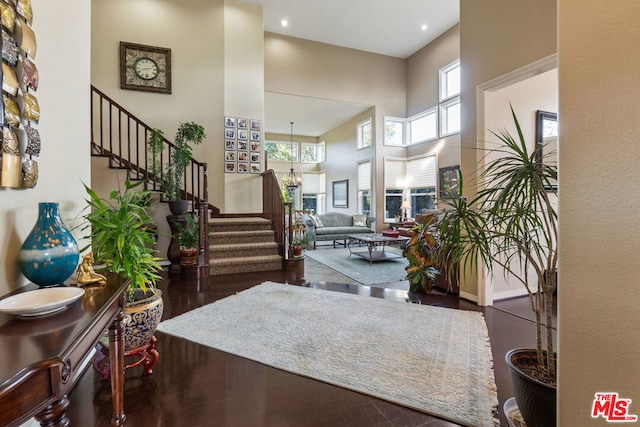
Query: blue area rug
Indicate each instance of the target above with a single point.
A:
(358, 268)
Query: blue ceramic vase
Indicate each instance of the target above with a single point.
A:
(50, 254)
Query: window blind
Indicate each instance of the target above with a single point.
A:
(310, 183)
(394, 173)
(364, 175)
(421, 172)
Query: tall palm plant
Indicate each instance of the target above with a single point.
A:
(511, 223)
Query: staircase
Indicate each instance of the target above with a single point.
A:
(242, 245)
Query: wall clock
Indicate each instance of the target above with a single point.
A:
(145, 67)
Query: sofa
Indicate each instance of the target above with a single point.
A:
(336, 226)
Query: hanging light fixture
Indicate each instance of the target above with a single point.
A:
(294, 179)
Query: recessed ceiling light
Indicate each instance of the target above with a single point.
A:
(423, 27)
(284, 23)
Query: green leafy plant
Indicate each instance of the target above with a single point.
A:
(188, 134)
(304, 241)
(422, 254)
(189, 233)
(119, 229)
(511, 223)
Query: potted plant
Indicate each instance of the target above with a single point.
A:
(119, 229)
(181, 153)
(189, 240)
(421, 253)
(512, 224)
(301, 243)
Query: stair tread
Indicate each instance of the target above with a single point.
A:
(249, 246)
(244, 220)
(243, 260)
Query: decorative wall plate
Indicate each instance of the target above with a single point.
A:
(40, 301)
(28, 39)
(9, 80)
(10, 143)
(8, 17)
(11, 111)
(9, 49)
(145, 68)
(24, 9)
(31, 109)
(30, 76)
(33, 141)
(29, 173)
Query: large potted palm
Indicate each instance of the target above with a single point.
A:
(121, 233)
(511, 224)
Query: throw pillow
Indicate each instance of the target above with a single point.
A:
(316, 220)
(360, 220)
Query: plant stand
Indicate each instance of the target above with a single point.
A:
(295, 266)
(147, 355)
(173, 252)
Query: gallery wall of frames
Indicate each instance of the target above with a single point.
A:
(20, 109)
(242, 145)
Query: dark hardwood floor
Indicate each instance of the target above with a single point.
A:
(197, 386)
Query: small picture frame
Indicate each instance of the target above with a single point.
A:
(229, 144)
(243, 123)
(229, 156)
(243, 156)
(255, 124)
(341, 194)
(243, 146)
(255, 135)
(255, 146)
(229, 133)
(255, 157)
(229, 122)
(243, 168)
(255, 167)
(243, 134)
(449, 185)
(229, 167)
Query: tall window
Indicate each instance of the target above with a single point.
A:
(312, 191)
(450, 99)
(365, 134)
(364, 187)
(281, 151)
(394, 184)
(394, 131)
(423, 126)
(421, 182)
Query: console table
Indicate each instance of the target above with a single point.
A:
(41, 358)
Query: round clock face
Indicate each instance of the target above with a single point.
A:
(146, 68)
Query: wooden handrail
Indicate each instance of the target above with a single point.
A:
(273, 208)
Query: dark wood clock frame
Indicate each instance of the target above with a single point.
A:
(126, 66)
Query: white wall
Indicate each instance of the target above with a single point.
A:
(63, 61)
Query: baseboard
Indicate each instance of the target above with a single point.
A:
(469, 297)
(509, 294)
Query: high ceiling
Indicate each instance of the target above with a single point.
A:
(386, 27)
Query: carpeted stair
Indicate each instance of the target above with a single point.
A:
(239, 245)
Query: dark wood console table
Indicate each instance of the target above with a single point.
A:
(41, 358)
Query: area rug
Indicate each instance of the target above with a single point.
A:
(358, 268)
(432, 359)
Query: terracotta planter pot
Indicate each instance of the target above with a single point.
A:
(141, 319)
(536, 400)
(188, 256)
(297, 250)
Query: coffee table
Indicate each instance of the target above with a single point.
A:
(373, 241)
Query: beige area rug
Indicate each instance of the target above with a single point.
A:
(432, 359)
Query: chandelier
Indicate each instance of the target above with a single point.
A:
(294, 179)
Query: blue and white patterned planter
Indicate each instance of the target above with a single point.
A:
(141, 319)
(50, 254)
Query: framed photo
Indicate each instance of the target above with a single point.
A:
(229, 133)
(255, 135)
(243, 134)
(255, 167)
(242, 157)
(243, 168)
(145, 68)
(255, 146)
(243, 124)
(449, 182)
(229, 156)
(341, 194)
(243, 146)
(255, 157)
(229, 144)
(229, 167)
(229, 122)
(255, 124)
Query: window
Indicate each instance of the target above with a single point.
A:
(365, 135)
(281, 151)
(450, 80)
(364, 187)
(394, 184)
(421, 182)
(313, 191)
(310, 201)
(394, 131)
(450, 99)
(312, 153)
(450, 117)
(423, 126)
